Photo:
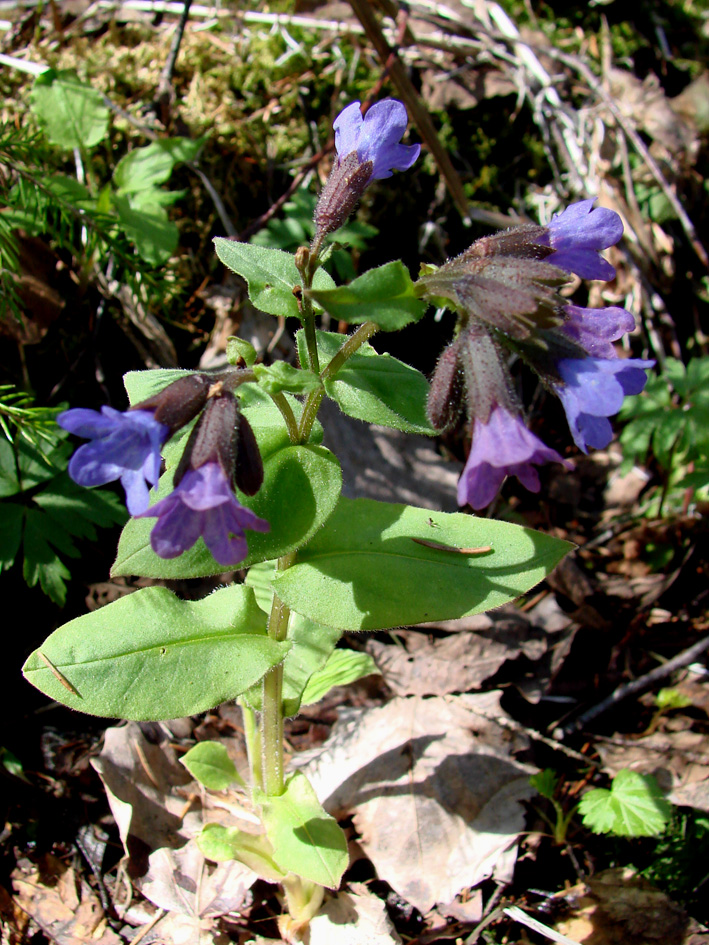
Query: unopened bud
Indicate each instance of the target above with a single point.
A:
(212, 440)
(179, 402)
(248, 470)
(445, 397)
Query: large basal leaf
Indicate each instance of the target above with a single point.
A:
(300, 490)
(368, 568)
(384, 296)
(306, 840)
(376, 388)
(270, 274)
(150, 655)
(72, 114)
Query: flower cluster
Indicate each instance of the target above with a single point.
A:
(504, 289)
(221, 451)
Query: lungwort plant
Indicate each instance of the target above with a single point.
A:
(247, 484)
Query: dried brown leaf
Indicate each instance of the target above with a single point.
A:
(433, 789)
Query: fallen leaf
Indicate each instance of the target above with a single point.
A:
(457, 663)
(619, 907)
(64, 906)
(353, 918)
(158, 819)
(433, 790)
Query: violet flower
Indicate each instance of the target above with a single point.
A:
(203, 504)
(594, 329)
(593, 390)
(577, 234)
(367, 149)
(124, 446)
(375, 137)
(502, 447)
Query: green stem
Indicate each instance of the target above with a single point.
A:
(312, 404)
(281, 401)
(310, 412)
(272, 701)
(355, 341)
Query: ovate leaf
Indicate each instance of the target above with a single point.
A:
(384, 296)
(271, 275)
(210, 764)
(72, 114)
(376, 565)
(633, 807)
(306, 840)
(150, 655)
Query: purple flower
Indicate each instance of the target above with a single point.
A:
(502, 447)
(594, 329)
(577, 234)
(125, 446)
(375, 137)
(203, 504)
(593, 390)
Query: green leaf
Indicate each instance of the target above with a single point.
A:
(342, 668)
(144, 168)
(72, 114)
(300, 490)
(306, 840)
(376, 388)
(150, 655)
(634, 806)
(221, 844)
(210, 764)
(384, 296)
(545, 782)
(281, 376)
(238, 349)
(271, 275)
(367, 570)
(670, 698)
(149, 229)
(312, 645)
(11, 525)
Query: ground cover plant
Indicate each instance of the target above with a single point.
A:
(310, 421)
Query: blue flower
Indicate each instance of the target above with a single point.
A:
(125, 446)
(593, 390)
(503, 446)
(594, 329)
(203, 504)
(578, 234)
(375, 137)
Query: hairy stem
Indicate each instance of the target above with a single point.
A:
(281, 401)
(272, 707)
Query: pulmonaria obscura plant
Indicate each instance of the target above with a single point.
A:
(225, 470)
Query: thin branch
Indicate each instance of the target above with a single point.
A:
(636, 685)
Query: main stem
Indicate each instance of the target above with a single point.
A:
(272, 699)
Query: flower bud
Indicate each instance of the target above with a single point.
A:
(179, 402)
(445, 397)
